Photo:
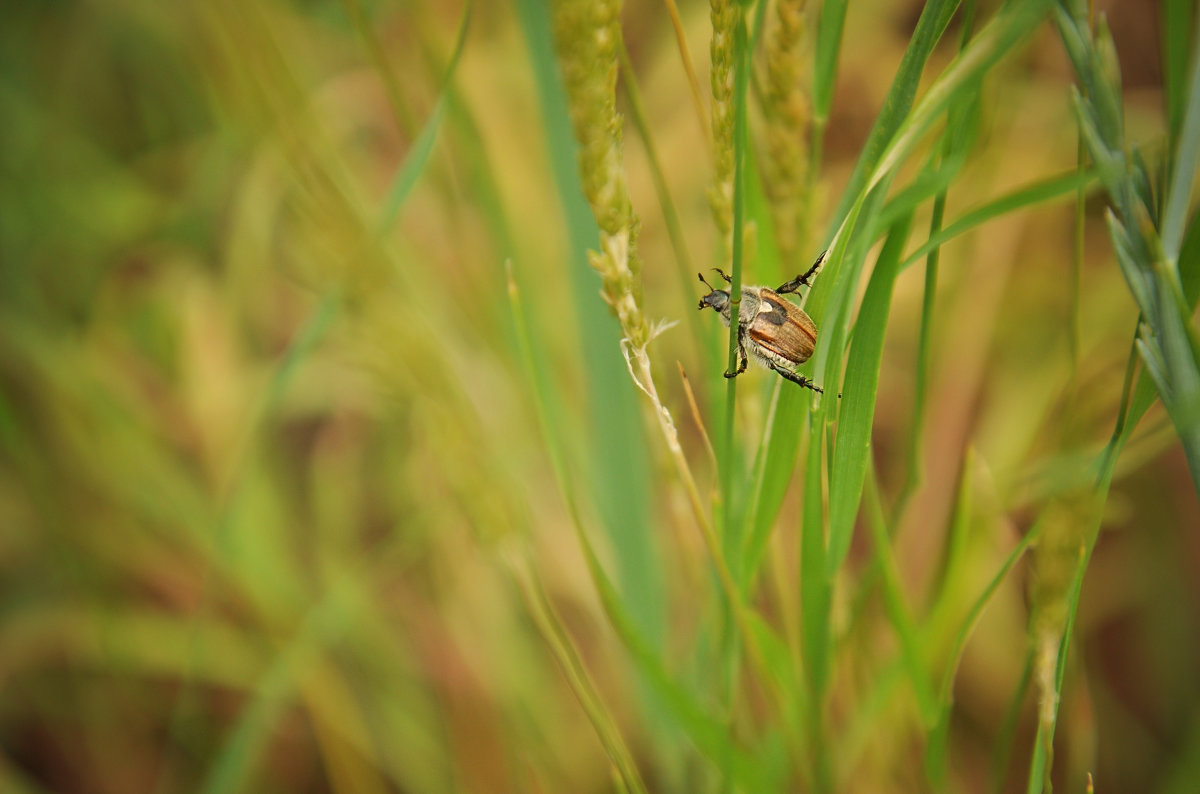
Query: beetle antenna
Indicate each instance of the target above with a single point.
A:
(705, 283)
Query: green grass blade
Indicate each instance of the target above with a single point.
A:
(539, 603)
(615, 439)
(571, 662)
(782, 436)
(1012, 24)
(936, 747)
(934, 18)
(412, 167)
(1186, 162)
(1050, 189)
(1002, 34)
(814, 596)
(825, 66)
(932, 182)
(852, 453)
(1189, 262)
(1176, 24)
(1001, 765)
(829, 44)
(893, 139)
(935, 753)
(273, 693)
(710, 735)
(418, 156)
(896, 605)
(726, 450)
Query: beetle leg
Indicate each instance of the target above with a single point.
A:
(803, 280)
(743, 359)
(799, 380)
(723, 275)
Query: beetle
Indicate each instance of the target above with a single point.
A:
(775, 331)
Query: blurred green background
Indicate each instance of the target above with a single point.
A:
(271, 466)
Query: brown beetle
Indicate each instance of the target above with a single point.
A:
(772, 329)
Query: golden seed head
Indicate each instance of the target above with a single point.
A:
(588, 35)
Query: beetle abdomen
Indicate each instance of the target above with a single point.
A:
(784, 330)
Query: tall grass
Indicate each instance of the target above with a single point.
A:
(361, 433)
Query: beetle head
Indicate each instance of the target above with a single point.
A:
(716, 298)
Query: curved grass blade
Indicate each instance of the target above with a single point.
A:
(896, 605)
(726, 450)
(571, 662)
(1012, 24)
(272, 694)
(614, 439)
(814, 616)
(1055, 187)
(851, 454)
(935, 753)
(1186, 161)
(934, 18)
(708, 734)
(998, 37)
(418, 156)
(1176, 24)
(829, 43)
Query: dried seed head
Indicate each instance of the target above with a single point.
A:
(588, 35)
(786, 112)
(724, 21)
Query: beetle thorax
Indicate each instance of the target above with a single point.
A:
(749, 306)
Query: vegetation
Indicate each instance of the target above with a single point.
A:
(359, 431)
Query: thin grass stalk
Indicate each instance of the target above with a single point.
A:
(1074, 323)
(1001, 765)
(1048, 654)
(699, 729)
(735, 286)
(730, 545)
(830, 23)
(921, 373)
(814, 613)
(1043, 190)
(879, 162)
(929, 295)
(533, 590)
(689, 69)
(552, 629)
(896, 603)
(683, 260)
(588, 36)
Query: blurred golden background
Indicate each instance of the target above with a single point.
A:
(273, 476)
